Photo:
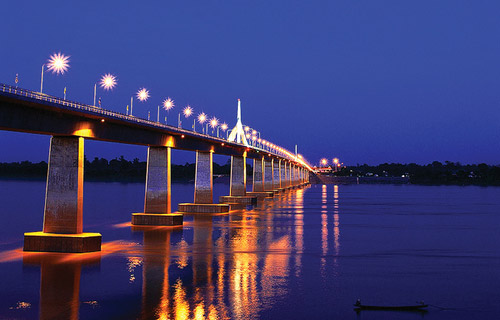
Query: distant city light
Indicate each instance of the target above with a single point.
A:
(247, 128)
(143, 94)
(254, 132)
(168, 104)
(223, 126)
(58, 63)
(324, 161)
(108, 81)
(335, 160)
(188, 111)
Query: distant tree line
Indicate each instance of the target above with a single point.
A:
(434, 173)
(118, 169)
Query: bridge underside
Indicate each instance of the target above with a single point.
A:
(69, 126)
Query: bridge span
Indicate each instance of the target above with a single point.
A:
(69, 123)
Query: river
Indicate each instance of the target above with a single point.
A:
(306, 255)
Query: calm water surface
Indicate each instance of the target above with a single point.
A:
(309, 254)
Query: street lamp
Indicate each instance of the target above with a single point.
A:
(188, 111)
(213, 124)
(58, 63)
(224, 128)
(142, 95)
(336, 162)
(168, 104)
(107, 82)
(202, 117)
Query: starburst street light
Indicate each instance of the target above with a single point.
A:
(168, 104)
(187, 111)
(223, 126)
(324, 162)
(202, 117)
(143, 94)
(58, 63)
(214, 122)
(108, 81)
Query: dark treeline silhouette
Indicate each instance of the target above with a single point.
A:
(101, 169)
(434, 173)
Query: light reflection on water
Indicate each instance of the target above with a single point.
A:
(284, 258)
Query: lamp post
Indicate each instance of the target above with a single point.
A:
(336, 162)
(188, 111)
(168, 104)
(58, 63)
(202, 117)
(107, 82)
(142, 95)
(223, 126)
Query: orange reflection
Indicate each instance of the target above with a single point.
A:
(336, 229)
(299, 230)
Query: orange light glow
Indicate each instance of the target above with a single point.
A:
(324, 161)
(223, 126)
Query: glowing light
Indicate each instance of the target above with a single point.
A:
(247, 136)
(254, 138)
(214, 122)
(247, 128)
(143, 94)
(254, 132)
(202, 117)
(335, 160)
(223, 126)
(58, 63)
(188, 111)
(324, 161)
(259, 140)
(108, 81)
(168, 104)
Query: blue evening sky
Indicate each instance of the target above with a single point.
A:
(365, 81)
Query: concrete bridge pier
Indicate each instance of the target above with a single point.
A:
(203, 188)
(157, 207)
(63, 212)
(238, 183)
(258, 187)
(268, 175)
(283, 178)
(276, 175)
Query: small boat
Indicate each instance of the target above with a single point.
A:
(418, 307)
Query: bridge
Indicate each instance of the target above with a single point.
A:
(275, 169)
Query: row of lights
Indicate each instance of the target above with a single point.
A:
(58, 63)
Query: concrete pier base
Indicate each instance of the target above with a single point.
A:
(261, 195)
(157, 219)
(246, 200)
(56, 242)
(203, 208)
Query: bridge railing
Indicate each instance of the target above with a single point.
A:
(97, 110)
